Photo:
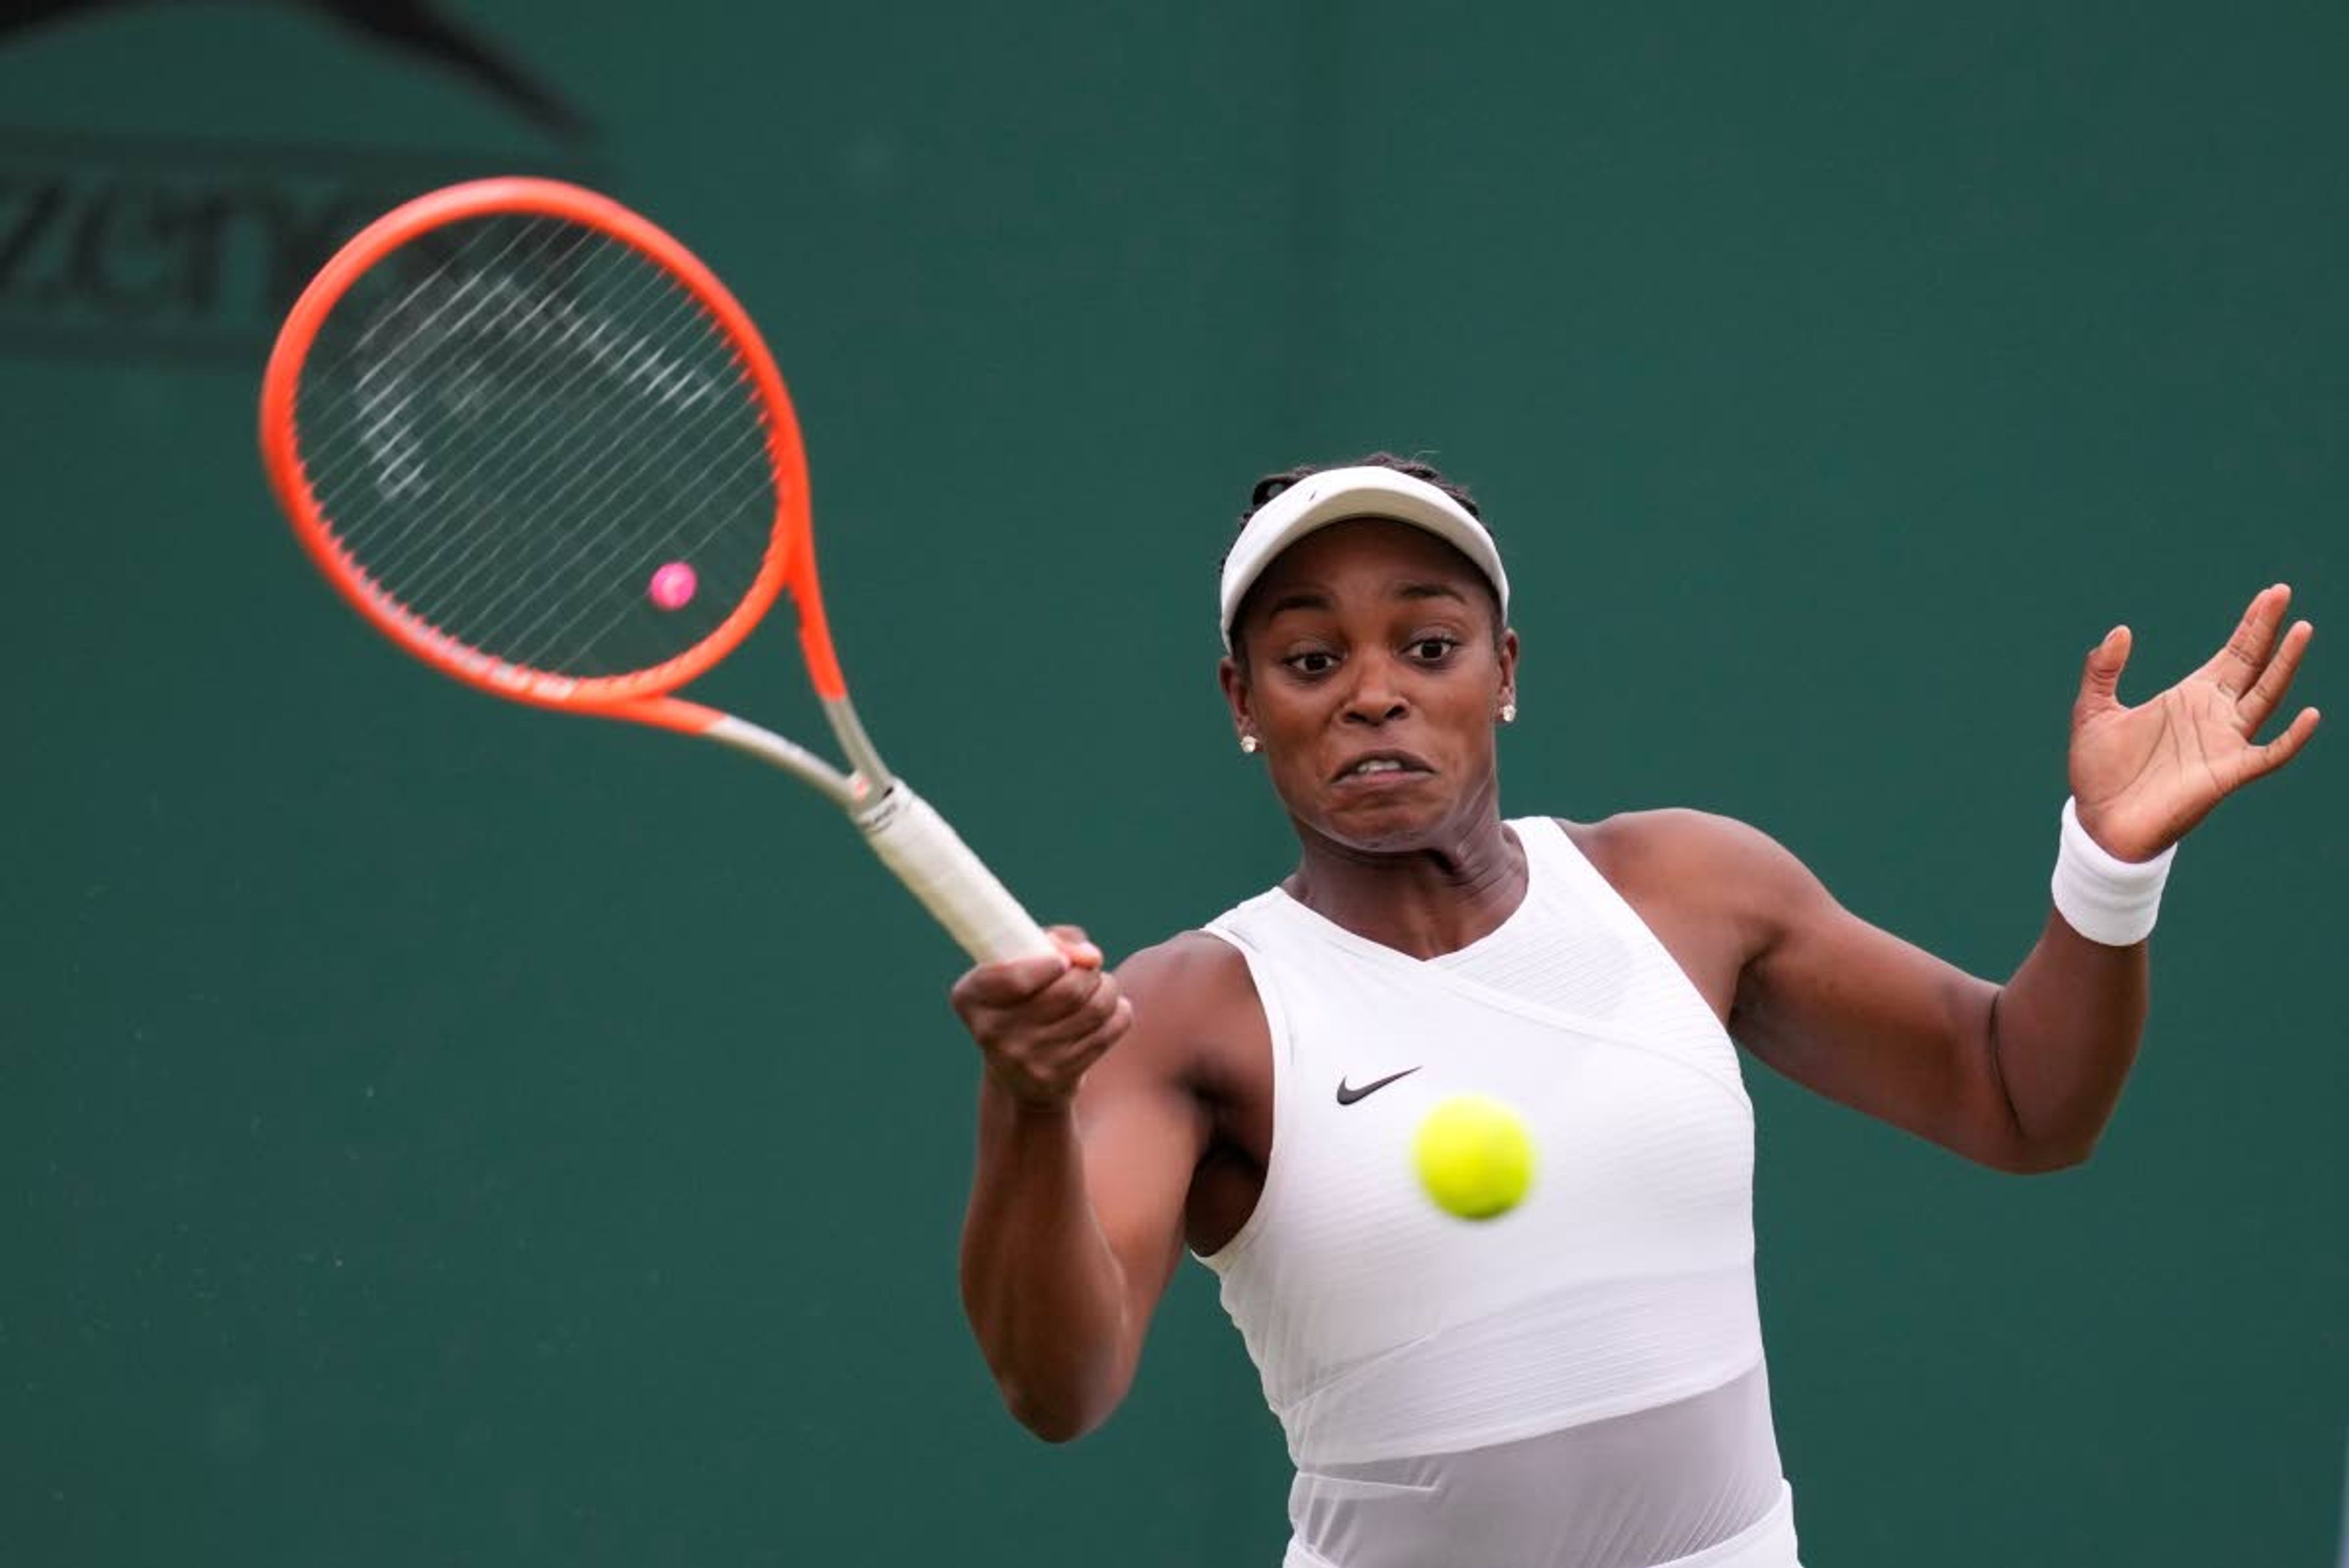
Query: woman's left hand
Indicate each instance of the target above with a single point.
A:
(2143, 776)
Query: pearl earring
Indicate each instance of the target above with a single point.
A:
(1248, 743)
(1508, 712)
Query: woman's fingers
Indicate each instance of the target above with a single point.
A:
(1042, 1022)
(1078, 946)
(991, 1002)
(1056, 1061)
(1091, 1012)
(2236, 666)
(2265, 759)
(2100, 674)
(1009, 983)
(2256, 704)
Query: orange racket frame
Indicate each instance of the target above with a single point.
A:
(640, 695)
(909, 836)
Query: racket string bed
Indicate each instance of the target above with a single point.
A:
(456, 549)
(515, 443)
(583, 479)
(492, 452)
(372, 360)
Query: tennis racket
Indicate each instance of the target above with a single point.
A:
(540, 446)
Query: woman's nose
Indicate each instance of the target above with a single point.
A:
(1377, 696)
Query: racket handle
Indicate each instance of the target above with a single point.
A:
(953, 884)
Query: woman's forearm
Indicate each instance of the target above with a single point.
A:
(2064, 1031)
(1043, 1289)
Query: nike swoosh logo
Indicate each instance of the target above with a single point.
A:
(1347, 1095)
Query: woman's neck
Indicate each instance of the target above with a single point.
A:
(1424, 902)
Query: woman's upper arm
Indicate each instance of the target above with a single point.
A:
(1854, 1012)
(1143, 1126)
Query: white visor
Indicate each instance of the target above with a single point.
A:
(1344, 495)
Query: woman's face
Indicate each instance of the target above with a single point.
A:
(1372, 680)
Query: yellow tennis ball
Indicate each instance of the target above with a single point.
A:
(1475, 1157)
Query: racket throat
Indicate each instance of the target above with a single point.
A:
(864, 761)
(847, 793)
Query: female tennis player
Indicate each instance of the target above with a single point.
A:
(1582, 1384)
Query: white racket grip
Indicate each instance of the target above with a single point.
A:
(953, 884)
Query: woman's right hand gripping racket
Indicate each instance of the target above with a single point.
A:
(541, 447)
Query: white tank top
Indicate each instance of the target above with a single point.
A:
(1387, 1333)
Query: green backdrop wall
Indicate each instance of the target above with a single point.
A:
(437, 1134)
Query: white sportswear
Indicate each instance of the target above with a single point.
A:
(1578, 1384)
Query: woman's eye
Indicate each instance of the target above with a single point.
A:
(1314, 663)
(1432, 649)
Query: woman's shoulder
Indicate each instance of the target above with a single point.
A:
(1717, 892)
(1657, 828)
(1190, 969)
(1197, 1013)
(1685, 850)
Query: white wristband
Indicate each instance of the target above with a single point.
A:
(2104, 898)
